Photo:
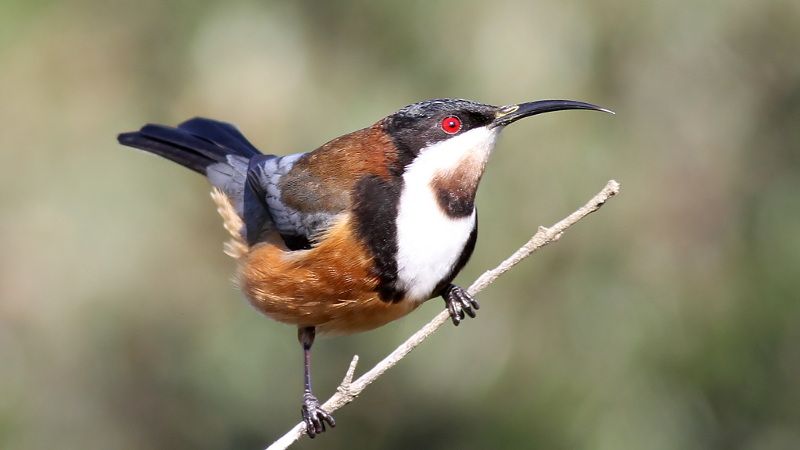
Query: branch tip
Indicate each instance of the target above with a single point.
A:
(351, 370)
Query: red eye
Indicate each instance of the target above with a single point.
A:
(451, 124)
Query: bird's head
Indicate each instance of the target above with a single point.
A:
(425, 126)
(444, 144)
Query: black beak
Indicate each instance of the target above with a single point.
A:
(512, 113)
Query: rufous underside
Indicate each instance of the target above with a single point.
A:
(330, 286)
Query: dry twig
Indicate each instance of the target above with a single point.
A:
(348, 390)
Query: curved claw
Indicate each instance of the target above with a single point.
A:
(314, 416)
(459, 303)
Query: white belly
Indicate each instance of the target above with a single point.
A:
(429, 244)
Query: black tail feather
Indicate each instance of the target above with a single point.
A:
(222, 134)
(195, 144)
(181, 155)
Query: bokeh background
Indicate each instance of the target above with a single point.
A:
(669, 320)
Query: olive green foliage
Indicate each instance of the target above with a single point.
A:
(669, 320)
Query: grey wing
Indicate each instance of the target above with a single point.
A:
(230, 179)
(298, 228)
(233, 177)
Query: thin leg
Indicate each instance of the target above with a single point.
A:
(313, 414)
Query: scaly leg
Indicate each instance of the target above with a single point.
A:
(313, 414)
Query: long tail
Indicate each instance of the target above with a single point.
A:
(220, 152)
(195, 144)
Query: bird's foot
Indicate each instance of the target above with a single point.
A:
(314, 416)
(459, 303)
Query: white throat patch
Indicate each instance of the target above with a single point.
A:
(429, 242)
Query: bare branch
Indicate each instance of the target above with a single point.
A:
(349, 390)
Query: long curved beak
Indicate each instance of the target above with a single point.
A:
(512, 113)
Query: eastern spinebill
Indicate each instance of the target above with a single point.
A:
(358, 232)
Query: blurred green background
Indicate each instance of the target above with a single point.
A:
(669, 320)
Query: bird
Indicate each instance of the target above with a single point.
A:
(358, 232)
